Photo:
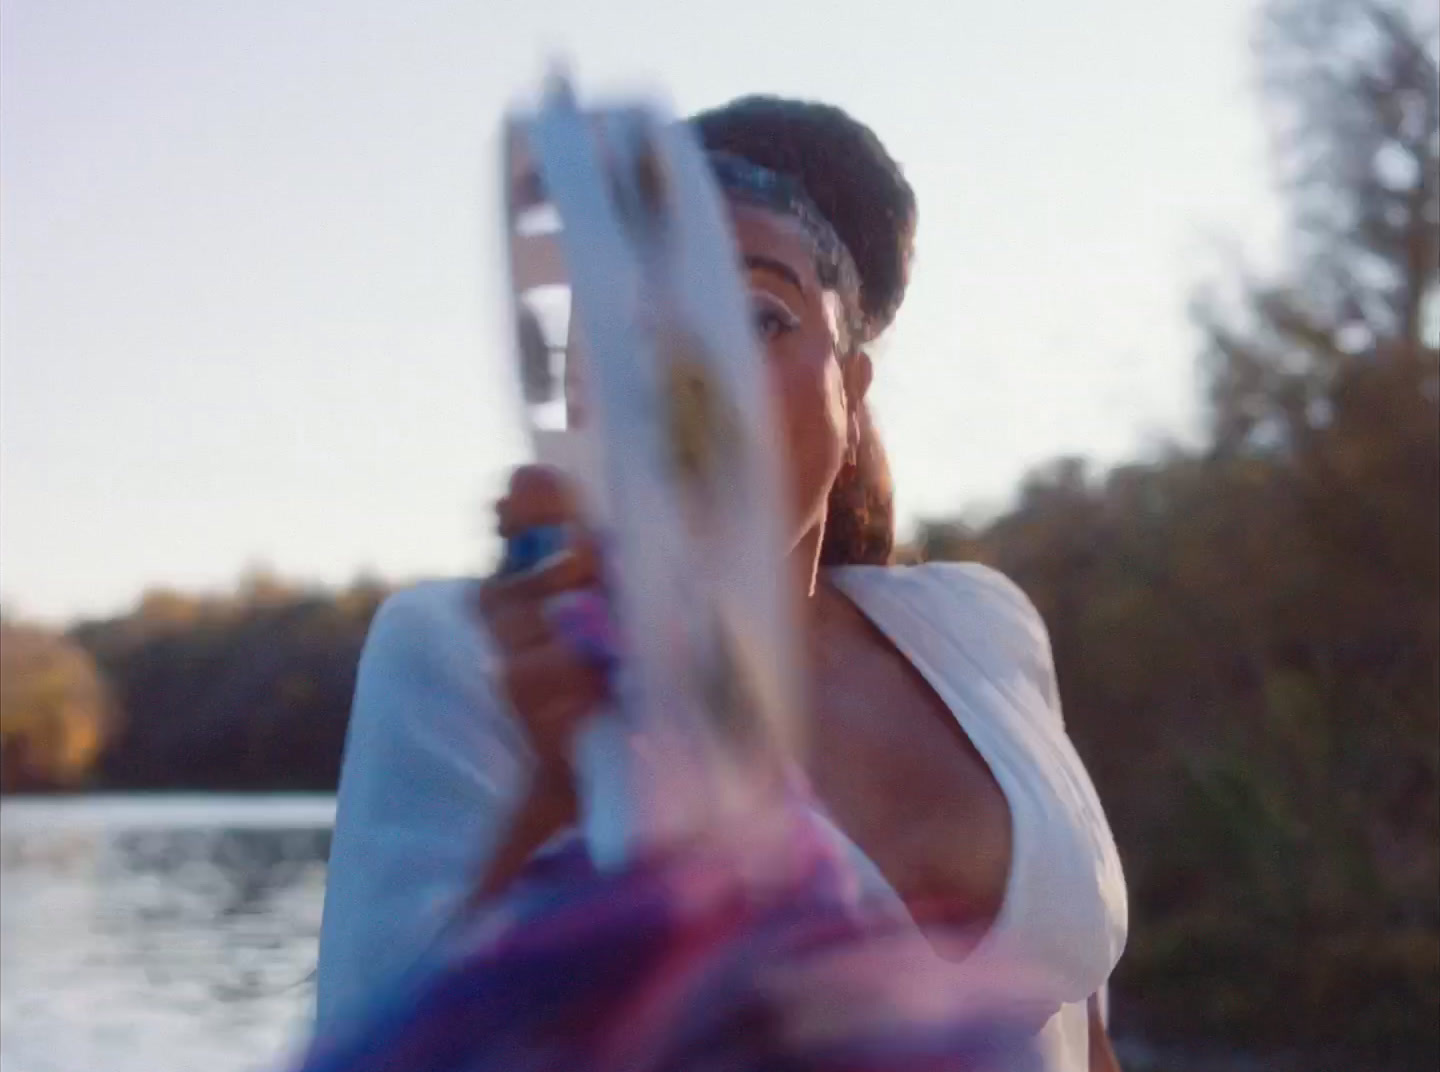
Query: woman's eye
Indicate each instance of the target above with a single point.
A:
(772, 322)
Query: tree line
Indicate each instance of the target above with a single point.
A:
(249, 691)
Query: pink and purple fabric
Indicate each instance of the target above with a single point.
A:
(747, 954)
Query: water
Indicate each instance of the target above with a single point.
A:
(164, 934)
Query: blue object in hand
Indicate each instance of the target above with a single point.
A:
(530, 547)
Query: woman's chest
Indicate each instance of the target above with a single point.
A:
(900, 776)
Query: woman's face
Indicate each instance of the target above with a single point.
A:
(815, 393)
(816, 389)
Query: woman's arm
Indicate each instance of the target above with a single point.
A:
(434, 769)
(549, 807)
(1102, 1055)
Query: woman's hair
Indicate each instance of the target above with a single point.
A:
(860, 191)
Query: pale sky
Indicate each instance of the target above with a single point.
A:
(249, 288)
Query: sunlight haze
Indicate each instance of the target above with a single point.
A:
(249, 256)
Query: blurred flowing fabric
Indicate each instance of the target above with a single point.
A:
(749, 952)
(434, 766)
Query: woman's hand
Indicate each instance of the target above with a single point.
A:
(548, 679)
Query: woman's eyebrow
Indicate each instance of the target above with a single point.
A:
(758, 263)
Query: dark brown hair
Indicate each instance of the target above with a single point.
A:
(861, 191)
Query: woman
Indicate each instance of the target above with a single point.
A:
(937, 742)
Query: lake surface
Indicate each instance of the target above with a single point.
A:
(178, 934)
(166, 934)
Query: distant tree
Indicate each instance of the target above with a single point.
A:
(261, 586)
(54, 710)
(1352, 98)
(945, 541)
(161, 608)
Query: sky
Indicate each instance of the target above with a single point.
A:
(250, 286)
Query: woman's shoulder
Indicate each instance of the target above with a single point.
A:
(424, 697)
(428, 653)
(971, 587)
(425, 620)
(979, 587)
(425, 605)
(969, 604)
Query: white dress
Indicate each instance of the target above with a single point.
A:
(435, 766)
